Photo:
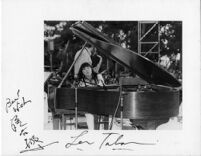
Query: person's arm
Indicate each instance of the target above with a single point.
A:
(97, 68)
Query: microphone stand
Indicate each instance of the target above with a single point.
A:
(76, 108)
(119, 104)
(76, 103)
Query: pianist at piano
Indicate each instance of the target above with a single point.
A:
(87, 77)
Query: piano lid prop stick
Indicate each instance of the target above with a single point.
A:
(64, 79)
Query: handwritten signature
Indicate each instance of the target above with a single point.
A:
(16, 103)
(110, 139)
(76, 142)
(32, 142)
(39, 147)
(35, 141)
(118, 141)
(16, 122)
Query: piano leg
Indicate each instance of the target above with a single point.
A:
(56, 122)
(63, 122)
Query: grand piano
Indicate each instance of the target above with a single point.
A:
(157, 97)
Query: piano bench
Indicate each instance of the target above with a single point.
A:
(104, 121)
(68, 119)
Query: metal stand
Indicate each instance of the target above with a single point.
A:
(121, 110)
(143, 35)
(76, 105)
(51, 62)
(120, 104)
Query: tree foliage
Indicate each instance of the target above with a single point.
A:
(171, 37)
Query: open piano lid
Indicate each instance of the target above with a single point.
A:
(142, 66)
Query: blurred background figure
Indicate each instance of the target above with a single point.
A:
(82, 56)
(165, 61)
(96, 61)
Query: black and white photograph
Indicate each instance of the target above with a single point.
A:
(100, 77)
(113, 75)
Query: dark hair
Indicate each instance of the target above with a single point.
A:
(81, 75)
